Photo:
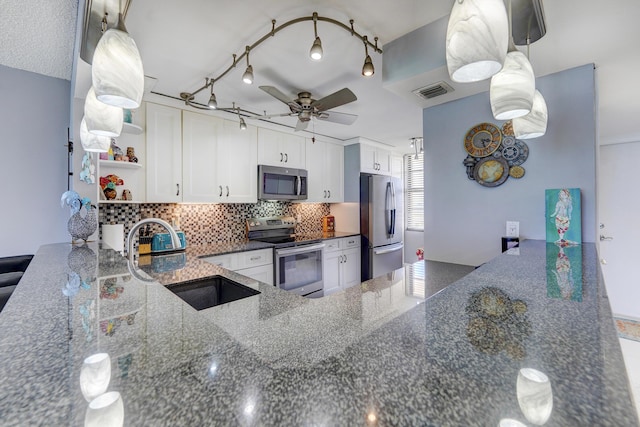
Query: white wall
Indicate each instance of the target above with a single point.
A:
(464, 221)
(35, 116)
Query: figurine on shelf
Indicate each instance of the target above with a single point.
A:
(117, 151)
(126, 195)
(131, 154)
(108, 184)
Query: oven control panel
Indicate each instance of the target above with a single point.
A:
(270, 223)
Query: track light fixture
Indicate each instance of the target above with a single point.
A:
(367, 68)
(243, 124)
(315, 52)
(316, 49)
(213, 103)
(247, 77)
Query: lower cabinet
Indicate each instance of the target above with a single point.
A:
(257, 264)
(341, 264)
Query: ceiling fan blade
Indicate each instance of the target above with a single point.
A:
(276, 93)
(271, 116)
(301, 125)
(336, 99)
(335, 117)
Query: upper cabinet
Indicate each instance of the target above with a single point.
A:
(237, 164)
(375, 160)
(164, 154)
(215, 161)
(397, 166)
(281, 149)
(325, 168)
(201, 135)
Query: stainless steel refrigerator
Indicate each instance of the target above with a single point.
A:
(381, 224)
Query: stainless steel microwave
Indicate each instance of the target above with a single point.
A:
(278, 183)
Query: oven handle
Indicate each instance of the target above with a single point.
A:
(299, 249)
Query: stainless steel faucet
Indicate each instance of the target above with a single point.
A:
(175, 240)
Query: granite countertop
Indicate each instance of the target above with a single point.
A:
(392, 351)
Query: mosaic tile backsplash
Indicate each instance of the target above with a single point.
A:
(212, 223)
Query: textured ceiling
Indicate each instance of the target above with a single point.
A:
(38, 35)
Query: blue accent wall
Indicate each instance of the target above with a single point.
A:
(464, 221)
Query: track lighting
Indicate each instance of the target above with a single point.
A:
(477, 39)
(247, 77)
(243, 125)
(316, 49)
(116, 72)
(213, 103)
(367, 68)
(316, 53)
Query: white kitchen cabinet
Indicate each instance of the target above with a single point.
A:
(341, 264)
(281, 149)
(256, 264)
(164, 154)
(325, 168)
(397, 166)
(201, 135)
(237, 164)
(375, 160)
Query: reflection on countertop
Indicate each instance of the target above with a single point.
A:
(395, 350)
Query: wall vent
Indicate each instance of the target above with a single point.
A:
(433, 90)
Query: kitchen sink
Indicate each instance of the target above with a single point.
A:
(211, 291)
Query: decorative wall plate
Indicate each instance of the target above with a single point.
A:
(482, 140)
(491, 171)
(516, 172)
(515, 152)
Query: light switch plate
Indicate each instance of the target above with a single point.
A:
(513, 228)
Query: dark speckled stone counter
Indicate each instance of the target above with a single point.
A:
(393, 351)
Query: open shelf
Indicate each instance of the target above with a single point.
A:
(122, 165)
(131, 128)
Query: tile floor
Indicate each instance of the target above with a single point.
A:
(631, 354)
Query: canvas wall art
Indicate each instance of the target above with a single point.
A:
(563, 216)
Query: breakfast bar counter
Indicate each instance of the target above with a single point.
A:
(526, 339)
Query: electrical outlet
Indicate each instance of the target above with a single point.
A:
(513, 228)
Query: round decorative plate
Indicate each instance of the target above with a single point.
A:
(516, 172)
(516, 153)
(482, 139)
(491, 171)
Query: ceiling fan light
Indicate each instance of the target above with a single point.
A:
(93, 143)
(213, 102)
(512, 89)
(243, 124)
(116, 71)
(316, 50)
(102, 119)
(534, 124)
(477, 39)
(247, 77)
(367, 68)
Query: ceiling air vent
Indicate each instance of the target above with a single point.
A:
(433, 90)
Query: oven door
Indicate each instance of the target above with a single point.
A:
(299, 268)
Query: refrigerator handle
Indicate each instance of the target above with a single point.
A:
(388, 209)
(393, 209)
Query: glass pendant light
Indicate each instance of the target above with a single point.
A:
(102, 119)
(477, 39)
(91, 142)
(512, 89)
(534, 124)
(117, 73)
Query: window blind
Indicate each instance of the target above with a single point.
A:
(414, 191)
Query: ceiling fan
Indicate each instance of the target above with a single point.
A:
(306, 108)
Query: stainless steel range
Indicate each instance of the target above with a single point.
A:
(297, 259)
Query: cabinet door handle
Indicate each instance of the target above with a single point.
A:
(177, 189)
(329, 192)
(286, 158)
(255, 258)
(281, 157)
(220, 186)
(325, 194)
(227, 190)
